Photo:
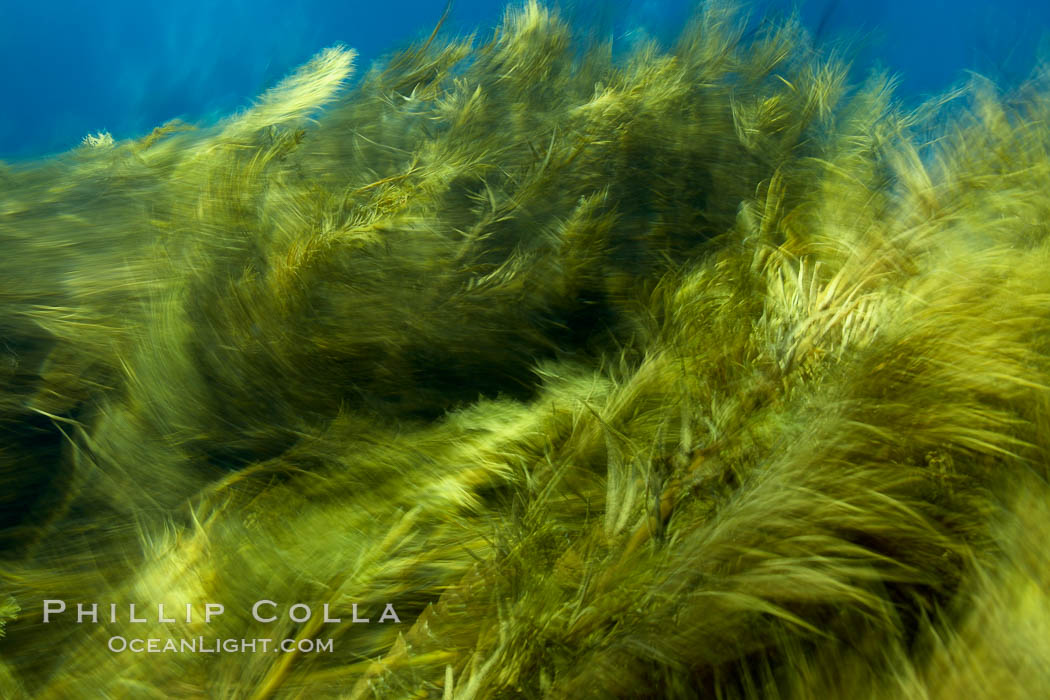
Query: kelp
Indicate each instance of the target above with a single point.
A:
(689, 372)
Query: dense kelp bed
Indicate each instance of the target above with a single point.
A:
(690, 372)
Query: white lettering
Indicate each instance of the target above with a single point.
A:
(212, 609)
(389, 614)
(291, 612)
(259, 604)
(81, 614)
(50, 608)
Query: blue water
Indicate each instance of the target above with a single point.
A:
(72, 67)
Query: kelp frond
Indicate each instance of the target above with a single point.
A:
(684, 373)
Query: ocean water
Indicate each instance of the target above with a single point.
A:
(77, 67)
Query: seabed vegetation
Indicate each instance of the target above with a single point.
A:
(695, 372)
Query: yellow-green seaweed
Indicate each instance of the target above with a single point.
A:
(699, 372)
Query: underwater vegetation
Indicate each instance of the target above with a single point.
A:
(697, 372)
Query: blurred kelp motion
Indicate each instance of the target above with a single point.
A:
(693, 372)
